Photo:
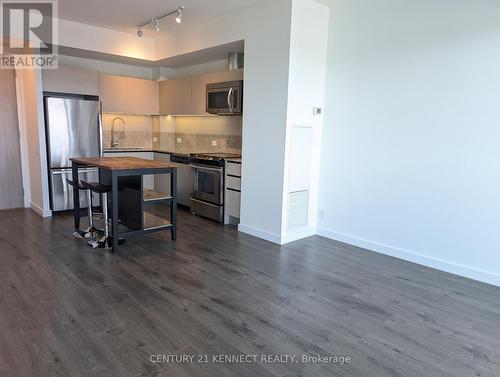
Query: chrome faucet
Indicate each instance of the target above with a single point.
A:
(114, 139)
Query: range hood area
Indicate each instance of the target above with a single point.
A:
(235, 61)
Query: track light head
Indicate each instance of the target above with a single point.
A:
(155, 21)
(156, 24)
(178, 17)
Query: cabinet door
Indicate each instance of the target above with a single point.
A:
(162, 181)
(224, 76)
(71, 80)
(198, 94)
(167, 97)
(142, 96)
(114, 94)
(182, 96)
(175, 96)
(233, 203)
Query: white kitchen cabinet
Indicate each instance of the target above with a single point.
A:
(71, 80)
(224, 76)
(184, 180)
(232, 191)
(148, 181)
(114, 95)
(175, 96)
(233, 183)
(129, 95)
(199, 94)
(233, 199)
(162, 181)
(142, 96)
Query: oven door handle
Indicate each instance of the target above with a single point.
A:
(219, 170)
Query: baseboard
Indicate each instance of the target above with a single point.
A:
(294, 236)
(276, 238)
(454, 268)
(40, 211)
(265, 235)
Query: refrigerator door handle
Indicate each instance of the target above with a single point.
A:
(99, 121)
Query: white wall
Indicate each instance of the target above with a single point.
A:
(410, 157)
(94, 38)
(107, 67)
(306, 90)
(33, 138)
(265, 28)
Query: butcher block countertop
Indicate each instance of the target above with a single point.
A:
(122, 163)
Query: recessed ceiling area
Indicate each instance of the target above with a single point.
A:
(125, 15)
(196, 57)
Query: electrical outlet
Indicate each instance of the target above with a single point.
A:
(214, 143)
(155, 139)
(316, 110)
(179, 140)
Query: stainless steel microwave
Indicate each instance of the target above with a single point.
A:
(225, 98)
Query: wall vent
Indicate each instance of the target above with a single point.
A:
(298, 210)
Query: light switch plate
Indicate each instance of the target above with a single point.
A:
(179, 140)
(214, 143)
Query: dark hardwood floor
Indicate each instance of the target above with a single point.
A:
(67, 310)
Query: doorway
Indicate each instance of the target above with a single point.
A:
(11, 181)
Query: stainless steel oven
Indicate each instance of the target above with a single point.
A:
(225, 98)
(208, 191)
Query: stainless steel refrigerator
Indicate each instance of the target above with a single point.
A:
(73, 129)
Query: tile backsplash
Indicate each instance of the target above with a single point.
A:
(200, 134)
(131, 131)
(174, 134)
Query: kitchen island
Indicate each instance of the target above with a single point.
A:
(129, 199)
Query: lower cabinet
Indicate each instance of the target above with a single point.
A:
(233, 191)
(162, 181)
(184, 180)
(148, 180)
(233, 203)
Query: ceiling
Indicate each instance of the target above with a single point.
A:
(125, 15)
(197, 57)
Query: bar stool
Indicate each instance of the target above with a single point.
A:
(103, 190)
(91, 229)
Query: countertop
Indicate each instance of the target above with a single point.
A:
(122, 163)
(147, 150)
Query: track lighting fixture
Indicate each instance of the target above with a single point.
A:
(178, 18)
(156, 24)
(155, 21)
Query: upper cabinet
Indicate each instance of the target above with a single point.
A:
(129, 95)
(187, 95)
(71, 80)
(175, 96)
(198, 94)
(143, 96)
(114, 94)
(224, 76)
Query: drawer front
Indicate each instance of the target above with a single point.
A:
(233, 169)
(233, 183)
(233, 203)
